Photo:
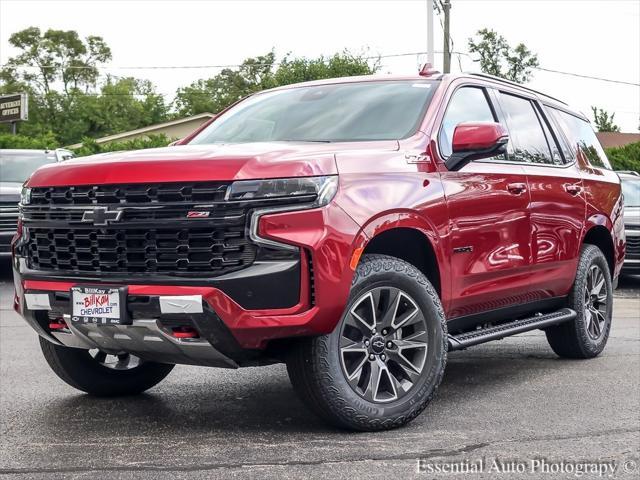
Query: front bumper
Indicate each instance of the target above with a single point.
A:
(229, 325)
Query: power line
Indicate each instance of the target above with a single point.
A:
(621, 82)
(373, 57)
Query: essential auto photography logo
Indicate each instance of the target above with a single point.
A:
(536, 466)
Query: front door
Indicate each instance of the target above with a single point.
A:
(490, 231)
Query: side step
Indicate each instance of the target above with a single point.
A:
(476, 337)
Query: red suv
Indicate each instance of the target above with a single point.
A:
(357, 229)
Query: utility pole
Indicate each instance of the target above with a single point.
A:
(446, 52)
(430, 58)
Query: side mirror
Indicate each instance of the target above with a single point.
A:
(473, 141)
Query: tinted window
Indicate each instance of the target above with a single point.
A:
(525, 131)
(16, 166)
(556, 157)
(569, 155)
(386, 110)
(468, 104)
(582, 138)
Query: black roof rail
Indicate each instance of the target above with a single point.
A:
(515, 84)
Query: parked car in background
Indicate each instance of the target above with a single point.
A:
(15, 168)
(631, 191)
(357, 229)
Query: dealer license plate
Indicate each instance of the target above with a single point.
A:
(105, 306)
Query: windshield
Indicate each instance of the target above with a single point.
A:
(17, 166)
(631, 191)
(377, 110)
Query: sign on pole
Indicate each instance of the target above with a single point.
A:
(14, 108)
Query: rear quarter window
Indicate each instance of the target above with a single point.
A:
(582, 138)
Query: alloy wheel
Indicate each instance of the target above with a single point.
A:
(596, 300)
(383, 344)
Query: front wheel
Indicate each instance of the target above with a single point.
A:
(592, 298)
(383, 362)
(102, 374)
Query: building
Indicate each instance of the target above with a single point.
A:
(617, 139)
(174, 130)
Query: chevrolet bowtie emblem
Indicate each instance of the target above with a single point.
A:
(101, 216)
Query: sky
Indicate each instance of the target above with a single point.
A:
(598, 38)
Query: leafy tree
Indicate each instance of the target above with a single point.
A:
(60, 72)
(604, 120)
(228, 86)
(259, 73)
(499, 59)
(625, 158)
(55, 57)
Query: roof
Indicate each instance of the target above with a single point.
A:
(149, 129)
(617, 139)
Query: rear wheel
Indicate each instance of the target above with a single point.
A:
(102, 374)
(383, 362)
(592, 298)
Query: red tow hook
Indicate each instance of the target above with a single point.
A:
(184, 332)
(58, 324)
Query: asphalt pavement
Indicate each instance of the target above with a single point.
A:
(512, 404)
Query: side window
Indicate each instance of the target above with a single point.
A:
(560, 130)
(468, 104)
(525, 131)
(582, 138)
(556, 156)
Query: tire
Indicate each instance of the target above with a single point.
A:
(81, 370)
(582, 338)
(319, 367)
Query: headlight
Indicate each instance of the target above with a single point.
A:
(308, 192)
(319, 190)
(25, 196)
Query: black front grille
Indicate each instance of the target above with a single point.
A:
(8, 216)
(201, 192)
(154, 233)
(211, 250)
(633, 247)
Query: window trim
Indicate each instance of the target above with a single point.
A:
(484, 91)
(535, 103)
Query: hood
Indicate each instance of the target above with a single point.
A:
(632, 215)
(199, 163)
(10, 191)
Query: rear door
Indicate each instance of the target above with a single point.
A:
(487, 202)
(557, 201)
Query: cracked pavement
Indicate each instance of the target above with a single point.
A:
(508, 400)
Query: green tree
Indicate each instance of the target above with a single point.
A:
(604, 120)
(259, 73)
(51, 59)
(60, 72)
(499, 59)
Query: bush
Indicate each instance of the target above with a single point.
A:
(625, 158)
(90, 147)
(40, 142)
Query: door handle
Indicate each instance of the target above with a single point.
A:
(517, 188)
(573, 189)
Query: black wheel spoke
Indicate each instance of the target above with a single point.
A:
(117, 361)
(100, 356)
(596, 302)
